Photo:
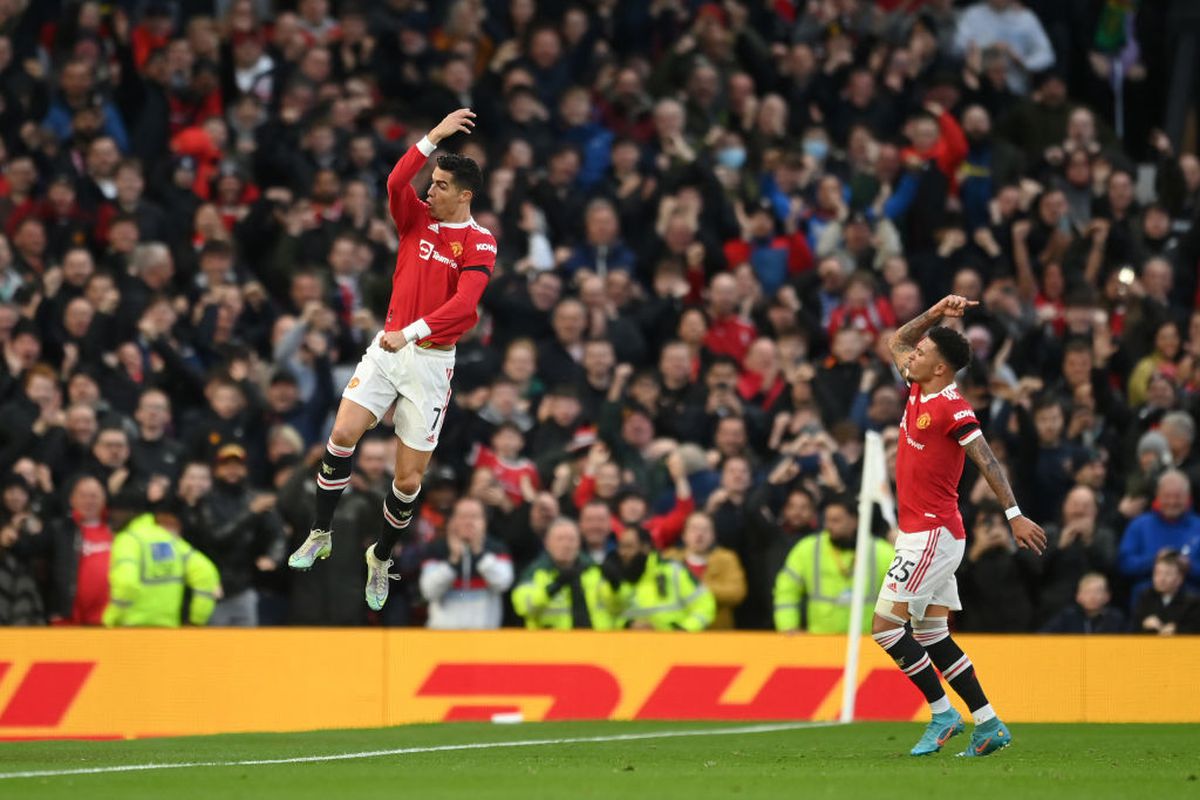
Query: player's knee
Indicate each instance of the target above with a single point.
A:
(408, 482)
(345, 434)
(881, 625)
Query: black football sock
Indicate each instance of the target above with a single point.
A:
(955, 667)
(912, 659)
(397, 515)
(333, 477)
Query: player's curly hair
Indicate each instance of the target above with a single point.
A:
(952, 345)
(467, 175)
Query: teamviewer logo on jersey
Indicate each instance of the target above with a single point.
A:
(427, 251)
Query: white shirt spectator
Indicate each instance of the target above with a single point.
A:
(464, 576)
(1016, 29)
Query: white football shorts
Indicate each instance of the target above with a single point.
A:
(922, 572)
(417, 379)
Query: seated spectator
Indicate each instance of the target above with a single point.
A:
(563, 588)
(465, 575)
(1165, 607)
(1091, 612)
(1171, 523)
(654, 593)
(717, 568)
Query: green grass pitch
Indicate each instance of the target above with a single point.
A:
(726, 760)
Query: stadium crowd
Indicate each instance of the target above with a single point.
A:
(710, 216)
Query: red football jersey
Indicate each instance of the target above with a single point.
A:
(929, 459)
(434, 259)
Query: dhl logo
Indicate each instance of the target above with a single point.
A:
(587, 691)
(45, 693)
(48, 689)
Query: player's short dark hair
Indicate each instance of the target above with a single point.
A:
(464, 171)
(953, 346)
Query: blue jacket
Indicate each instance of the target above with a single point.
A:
(1149, 533)
(59, 120)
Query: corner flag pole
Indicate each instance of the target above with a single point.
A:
(873, 480)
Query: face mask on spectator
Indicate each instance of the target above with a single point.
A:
(817, 148)
(731, 157)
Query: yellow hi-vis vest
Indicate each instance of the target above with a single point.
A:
(149, 568)
(668, 597)
(533, 601)
(822, 577)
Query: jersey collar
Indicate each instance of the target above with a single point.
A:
(470, 221)
(925, 398)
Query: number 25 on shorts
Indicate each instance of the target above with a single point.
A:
(901, 569)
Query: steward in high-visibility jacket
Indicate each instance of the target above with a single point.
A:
(818, 575)
(563, 588)
(148, 570)
(655, 592)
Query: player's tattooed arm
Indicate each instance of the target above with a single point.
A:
(979, 452)
(905, 340)
(1027, 532)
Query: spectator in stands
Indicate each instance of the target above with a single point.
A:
(1080, 544)
(244, 537)
(564, 589)
(76, 550)
(1091, 612)
(195, 213)
(812, 591)
(995, 579)
(465, 575)
(1166, 607)
(1170, 524)
(155, 572)
(654, 593)
(1010, 29)
(717, 568)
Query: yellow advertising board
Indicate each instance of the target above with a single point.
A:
(60, 683)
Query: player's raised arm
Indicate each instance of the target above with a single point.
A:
(402, 199)
(1027, 532)
(906, 338)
